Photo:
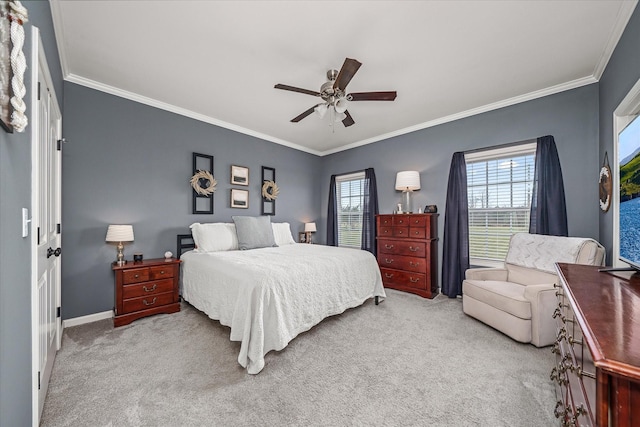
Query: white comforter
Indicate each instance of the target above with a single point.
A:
(268, 296)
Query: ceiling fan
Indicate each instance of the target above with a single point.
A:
(334, 96)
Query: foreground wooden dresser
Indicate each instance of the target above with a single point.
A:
(597, 375)
(408, 252)
(145, 288)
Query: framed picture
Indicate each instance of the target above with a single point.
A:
(5, 67)
(239, 175)
(202, 204)
(239, 198)
(302, 237)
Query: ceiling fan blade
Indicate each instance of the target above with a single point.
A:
(303, 115)
(346, 73)
(348, 121)
(373, 96)
(297, 89)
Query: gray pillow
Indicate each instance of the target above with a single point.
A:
(254, 232)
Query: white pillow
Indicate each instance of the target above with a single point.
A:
(282, 233)
(214, 237)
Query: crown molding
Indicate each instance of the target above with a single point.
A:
(472, 112)
(624, 14)
(182, 111)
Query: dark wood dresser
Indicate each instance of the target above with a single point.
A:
(597, 375)
(145, 288)
(408, 252)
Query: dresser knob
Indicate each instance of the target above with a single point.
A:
(388, 246)
(388, 276)
(414, 264)
(388, 261)
(414, 280)
(144, 301)
(153, 288)
(161, 271)
(412, 249)
(136, 276)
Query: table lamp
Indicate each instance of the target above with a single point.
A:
(407, 182)
(309, 227)
(120, 234)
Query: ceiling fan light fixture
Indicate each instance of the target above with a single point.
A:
(321, 110)
(341, 105)
(340, 116)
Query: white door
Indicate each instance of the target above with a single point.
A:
(46, 227)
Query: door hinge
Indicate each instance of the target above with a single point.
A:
(38, 380)
(58, 312)
(38, 91)
(60, 142)
(58, 227)
(38, 235)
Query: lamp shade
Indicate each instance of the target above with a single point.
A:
(408, 181)
(120, 233)
(310, 227)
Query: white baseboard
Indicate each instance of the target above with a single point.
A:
(87, 319)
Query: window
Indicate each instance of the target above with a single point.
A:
(349, 199)
(499, 191)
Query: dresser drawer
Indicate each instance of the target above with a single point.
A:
(385, 220)
(147, 288)
(393, 278)
(396, 247)
(401, 220)
(417, 221)
(385, 231)
(146, 302)
(135, 275)
(417, 233)
(400, 231)
(400, 262)
(161, 272)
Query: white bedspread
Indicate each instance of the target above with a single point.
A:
(268, 296)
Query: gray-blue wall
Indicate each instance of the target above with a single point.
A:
(15, 251)
(622, 72)
(128, 163)
(571, 117)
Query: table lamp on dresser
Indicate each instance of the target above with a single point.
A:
(120, 234)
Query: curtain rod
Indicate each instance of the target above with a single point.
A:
(495, 147)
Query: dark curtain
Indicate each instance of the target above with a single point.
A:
(370, 211)
(455, 259)
(332, 215)
(548, 207)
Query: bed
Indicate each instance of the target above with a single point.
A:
(268, 295)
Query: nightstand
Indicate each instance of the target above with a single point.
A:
(145, 288)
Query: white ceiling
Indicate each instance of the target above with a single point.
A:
(217, 61)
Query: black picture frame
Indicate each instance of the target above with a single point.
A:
(202, 204)
(268, 206)
(5, 68)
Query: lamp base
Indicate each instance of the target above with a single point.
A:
(406, 202)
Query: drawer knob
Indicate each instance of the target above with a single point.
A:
(153, 288)
(161, 271)
(414, 264)
(144, 301)
(388, 246)
(416, 280)
(412, 249)
(416, 233)
(388, 276)
(388, 261)
(135, 276)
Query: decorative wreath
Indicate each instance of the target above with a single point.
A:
(270, 190)
(203, 175)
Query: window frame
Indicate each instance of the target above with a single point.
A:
(354, 176)
(512, 150)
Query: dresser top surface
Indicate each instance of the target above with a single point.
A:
(145, 263)
(608, 310)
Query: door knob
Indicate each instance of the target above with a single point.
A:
(56, 252)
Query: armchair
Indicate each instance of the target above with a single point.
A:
(519, 298)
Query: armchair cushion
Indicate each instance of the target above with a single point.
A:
(504, 296)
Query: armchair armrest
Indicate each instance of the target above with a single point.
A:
(486, 274)
(543, 301)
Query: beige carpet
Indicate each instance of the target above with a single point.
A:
(407, 362)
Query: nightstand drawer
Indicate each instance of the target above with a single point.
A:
(135, 275)
(147, 288)
(146, 302)
(161, 272)
(403, 278)
(419, 265)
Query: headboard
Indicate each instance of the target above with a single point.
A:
(185, 243)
